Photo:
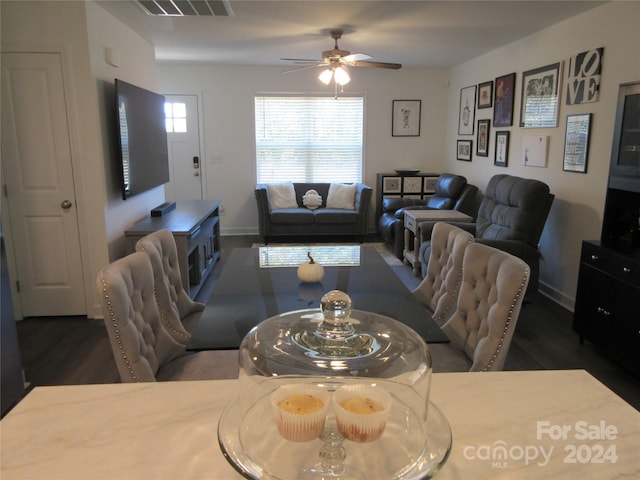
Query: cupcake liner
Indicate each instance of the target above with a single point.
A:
(300, 427)
(361, 427)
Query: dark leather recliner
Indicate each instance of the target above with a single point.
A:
(511, 217)
(452, 192)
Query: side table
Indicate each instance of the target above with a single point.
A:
(412, 219)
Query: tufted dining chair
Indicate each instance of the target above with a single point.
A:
(438, 291)
(170, 294)
(481, 328)
(143, 349)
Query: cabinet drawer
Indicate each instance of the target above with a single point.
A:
(626, 270)
(596, 256)
(409, 223)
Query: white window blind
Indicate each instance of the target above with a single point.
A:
(309, 139)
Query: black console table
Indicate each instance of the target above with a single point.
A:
(195, 225)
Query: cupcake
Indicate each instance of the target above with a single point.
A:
(361, 411)
(300, 411)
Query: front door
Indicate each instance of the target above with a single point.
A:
(183, 137)
(39, 186)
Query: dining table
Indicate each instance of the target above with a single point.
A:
(259, 283)
(560, 424)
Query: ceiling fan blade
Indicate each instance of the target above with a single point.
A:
(354, 57)
(364, 63)
(304, 67)
(301, 60)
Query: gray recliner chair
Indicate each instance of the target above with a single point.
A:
(452, 192)
(511, 218)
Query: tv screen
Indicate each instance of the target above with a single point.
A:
(142, 138)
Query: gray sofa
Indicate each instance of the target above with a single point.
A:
(323, 221)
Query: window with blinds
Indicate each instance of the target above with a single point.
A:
(309, 139)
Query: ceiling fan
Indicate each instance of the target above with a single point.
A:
(336, 59)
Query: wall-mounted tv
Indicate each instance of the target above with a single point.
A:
(142, 138)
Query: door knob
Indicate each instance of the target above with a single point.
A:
(66, 204)
(197, 174)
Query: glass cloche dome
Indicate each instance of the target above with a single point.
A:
(334, 393)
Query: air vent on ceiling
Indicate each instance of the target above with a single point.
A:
(181, 8)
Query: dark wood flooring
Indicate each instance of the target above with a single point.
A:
(76, 350)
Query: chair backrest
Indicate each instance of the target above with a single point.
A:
(440, 287)
(140, 344)
(493, 286)
(448, 189)
(514, 208)
(173, 301)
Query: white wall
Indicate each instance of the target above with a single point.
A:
(136, 65)
(578, 208)
(227, 94)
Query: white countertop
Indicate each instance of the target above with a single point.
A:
(567, 423)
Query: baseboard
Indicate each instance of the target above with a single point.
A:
(557, 296)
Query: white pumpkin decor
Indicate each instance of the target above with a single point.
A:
(310, 272)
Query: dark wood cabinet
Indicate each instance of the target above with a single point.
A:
(607, 311)
(195, 225)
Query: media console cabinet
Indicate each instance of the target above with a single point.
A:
(608, 295)
(195, 225)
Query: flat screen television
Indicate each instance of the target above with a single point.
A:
(142, 138)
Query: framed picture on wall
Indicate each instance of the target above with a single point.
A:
(482, 140)
(502, 149)
(576, 143)
(464, 149)
(485, 94)
(466, 117)
(503, 100)
(406, 118)
(540, 97)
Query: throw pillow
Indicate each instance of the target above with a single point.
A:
(282, 195)
(312, 199)
(342, 196)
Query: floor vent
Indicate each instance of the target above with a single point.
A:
(181, 8)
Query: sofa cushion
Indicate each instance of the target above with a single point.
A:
(282, 195)
(335, 215)
(293, 216)
(342, 196)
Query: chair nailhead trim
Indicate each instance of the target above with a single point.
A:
(165, 318)
(114, 325)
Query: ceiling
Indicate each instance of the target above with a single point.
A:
(418, 33)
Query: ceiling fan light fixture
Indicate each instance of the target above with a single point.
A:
(326, 76)
(341, 76)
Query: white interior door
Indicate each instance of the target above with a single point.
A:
(183, 137)
(39, 185)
